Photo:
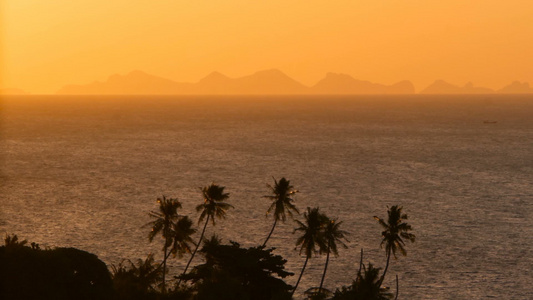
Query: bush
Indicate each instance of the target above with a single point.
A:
(61, 273)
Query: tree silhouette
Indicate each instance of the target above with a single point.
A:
(213, 206)
(13, 241)
(181, 238)
(312, 237)
(163, 224)
(281, 202)
(395, 231)
(232, 272)
(365, 287)
(332, 235)
(368, 285)
(60, 273)
(135, 281)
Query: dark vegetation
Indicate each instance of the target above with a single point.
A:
(29, 272)
(228, 271)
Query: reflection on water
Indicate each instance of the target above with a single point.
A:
(84, 172)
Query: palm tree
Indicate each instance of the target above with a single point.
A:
(213, 206)
(281, 202)
(332, 235)
(395, 231)
(131, 280)
(312, 237)
(181, 239)
(163, 223)
(367, 285)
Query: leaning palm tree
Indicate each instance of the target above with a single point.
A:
(163, 224)
(213, 206)
(281, 202)
(394, 233)
(312, 237)
(332, 235)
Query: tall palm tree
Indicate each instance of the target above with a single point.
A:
(213, 206)
(332, 235)
(281, 202)
(163, 224)
(312, 237)
(394, 233)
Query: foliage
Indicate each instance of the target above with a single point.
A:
(365, 287)
(228, 272)
(182, 232)
(232, 272)
(312, 240)
(282, 192)
(281, 202)
(395, 230)
(164, 219)
(136, 281)
(214, 205)
(176, 231)
(394, 233)
(332, 235)
(13, 242)
(60, 273)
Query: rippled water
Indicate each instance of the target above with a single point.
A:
(85, 171)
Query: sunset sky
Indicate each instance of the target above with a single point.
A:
(47, 44)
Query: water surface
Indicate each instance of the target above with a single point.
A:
(85, 171)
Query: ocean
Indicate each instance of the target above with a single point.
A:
(84, 172)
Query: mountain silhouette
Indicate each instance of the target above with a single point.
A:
(214, 83)
(443, 87)
(269, 82)
(266, 82)
(516, 87)
(134, 83)
(137, 82)
(335, 83)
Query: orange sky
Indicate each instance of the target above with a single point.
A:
(46, 44)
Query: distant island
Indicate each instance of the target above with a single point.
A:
(267, 82)
(270, 82)
(443, 87)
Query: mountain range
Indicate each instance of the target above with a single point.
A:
(267, 82)
(270, 82)
(443, 87)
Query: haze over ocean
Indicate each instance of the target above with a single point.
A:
(85, 171)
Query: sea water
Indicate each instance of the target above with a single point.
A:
(85, 171)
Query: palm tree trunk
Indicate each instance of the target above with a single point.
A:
(272, 230)
(164, 266)
(360, 264)
(196, 249)
(324, 275)
(298, 282)
(161, 264)
(397, 289)
(386, 267)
